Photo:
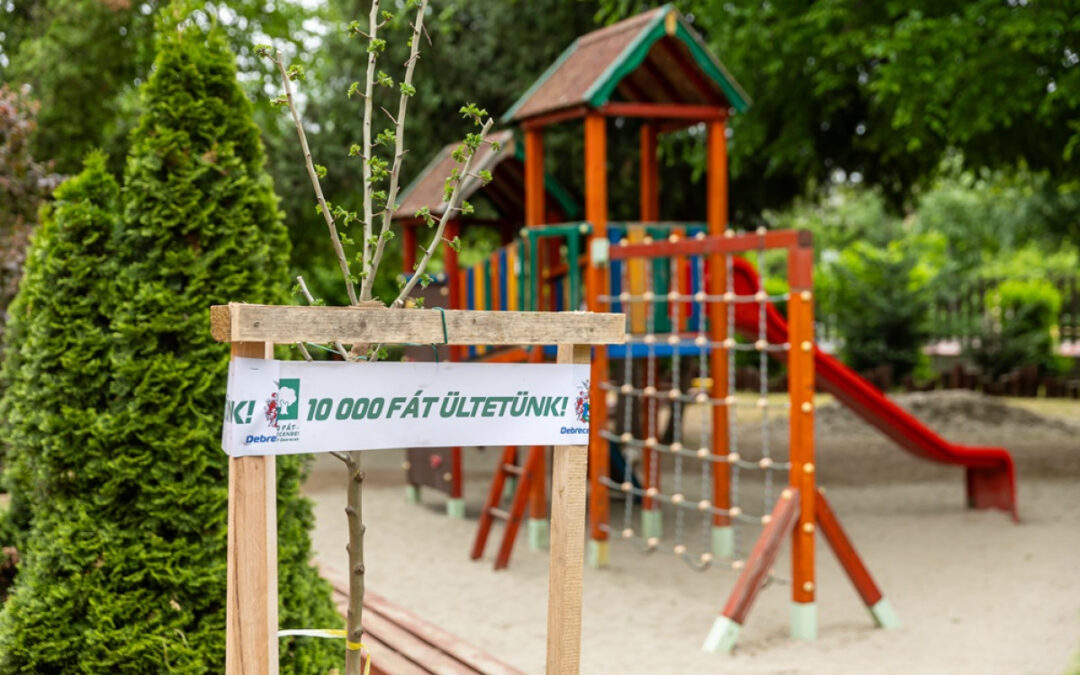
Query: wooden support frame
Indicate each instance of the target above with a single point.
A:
(787, 516)
(238, 322)
(803, 508)
(251, 614)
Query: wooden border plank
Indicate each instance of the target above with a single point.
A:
(433, 635)
(237, 322)
(386, 661)
(411, 646)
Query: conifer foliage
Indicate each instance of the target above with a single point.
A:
(124, 566)
(56, 355)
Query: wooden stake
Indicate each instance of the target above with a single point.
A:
(251, 613)
(567, 561)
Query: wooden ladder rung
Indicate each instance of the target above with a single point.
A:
(513, 469)
(499, 513)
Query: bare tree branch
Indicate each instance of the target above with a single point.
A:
(369, 83)
(343, 261)
(451, 207)
(311, 301)
(399, 150)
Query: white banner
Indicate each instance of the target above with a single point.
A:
(286, 407)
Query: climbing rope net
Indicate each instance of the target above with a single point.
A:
(688, 487)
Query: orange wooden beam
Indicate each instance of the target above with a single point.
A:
(716, 284)
(534, 177)
(801, 394)
(596, 212)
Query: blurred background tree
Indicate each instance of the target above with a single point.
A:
(25, 183)
(870, 122)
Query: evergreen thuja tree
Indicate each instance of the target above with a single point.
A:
(146, 546)
(55, 358)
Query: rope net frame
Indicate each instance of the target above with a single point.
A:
(700, 469)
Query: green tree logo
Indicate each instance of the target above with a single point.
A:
(288, 399)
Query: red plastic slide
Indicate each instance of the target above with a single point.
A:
(991, 477)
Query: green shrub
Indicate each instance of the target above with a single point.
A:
(878, 298)
(56, 356)
(125, 572)
(1019, 327)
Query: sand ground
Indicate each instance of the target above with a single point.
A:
(976, 593)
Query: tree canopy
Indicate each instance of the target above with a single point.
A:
(124, 563)
(882, 90)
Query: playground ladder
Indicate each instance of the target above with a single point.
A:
(526, 475)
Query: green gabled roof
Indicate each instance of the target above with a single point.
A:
(589, 71)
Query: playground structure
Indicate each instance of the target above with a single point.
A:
(692, 298)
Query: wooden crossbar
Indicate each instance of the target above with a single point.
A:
(713, 244)
(287, 324)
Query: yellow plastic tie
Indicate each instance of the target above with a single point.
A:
(354, 646)
(331, 633)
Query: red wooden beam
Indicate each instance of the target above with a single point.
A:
(555, 117)
(714, 244)
(845, 552)
(763, 557)
(408, 249)
(663, 111)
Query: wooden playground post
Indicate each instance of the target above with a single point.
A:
(651, 517)
(802, 474)
(251, 613)
(723, 535)
(596, 212)
(535, 202)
